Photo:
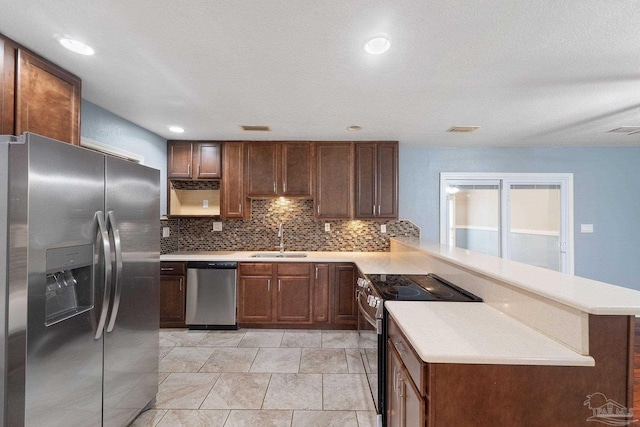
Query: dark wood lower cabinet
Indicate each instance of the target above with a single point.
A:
(344, 309)
(405, 404)
(173, 293)
(515, 395)
(297, 295)
(271, 294)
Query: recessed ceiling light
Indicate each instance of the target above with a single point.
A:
(176, 129)
(377, 45)
(354, 128)
(76, 46)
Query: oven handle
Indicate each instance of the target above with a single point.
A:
(376, 323)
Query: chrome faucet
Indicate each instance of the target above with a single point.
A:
(281, 236)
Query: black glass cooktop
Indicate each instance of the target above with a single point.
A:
(411, 287)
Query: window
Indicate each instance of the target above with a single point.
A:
(522, 217)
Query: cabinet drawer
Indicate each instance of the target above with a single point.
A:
(412, 362)
(173, 268)
(255, 269)
(293, 268)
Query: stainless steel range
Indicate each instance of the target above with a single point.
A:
(371, 293)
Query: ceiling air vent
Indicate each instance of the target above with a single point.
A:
(629, 130)
(254, 128)
(462, 129)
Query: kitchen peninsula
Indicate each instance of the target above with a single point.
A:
(538, 351)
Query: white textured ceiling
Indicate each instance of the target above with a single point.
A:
(529, 73)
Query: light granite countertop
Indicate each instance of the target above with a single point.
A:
(586, 295)
(367, 262)
(459, 332)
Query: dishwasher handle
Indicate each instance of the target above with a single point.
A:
(213, 265)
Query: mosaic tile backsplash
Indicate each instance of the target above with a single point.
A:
(302, 231)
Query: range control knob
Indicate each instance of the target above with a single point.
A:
(362, 282)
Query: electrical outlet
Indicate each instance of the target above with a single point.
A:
(586, 228)
(383, 228)
(327, 226)
(205, 203)
(217, 226)
(166, 232)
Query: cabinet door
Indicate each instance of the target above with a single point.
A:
(262, 170)
(365, 180)
(413, 413)
(172, 301)
(293, 299)
(208, 165)
(387, 180)
(254, 300)
(8, 53)
(321, 293)
(47, 100)
(296, 169)
(394, 403)
(376, 180)
(344, 310)
(233, 180)
(334, 180)
(179, 159)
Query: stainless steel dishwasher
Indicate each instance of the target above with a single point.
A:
(211, 295)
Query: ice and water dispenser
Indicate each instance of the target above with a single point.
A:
(69, 282)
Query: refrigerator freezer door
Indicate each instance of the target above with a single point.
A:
(55, 366)
(131, 337)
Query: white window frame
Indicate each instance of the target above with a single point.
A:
(506, 179)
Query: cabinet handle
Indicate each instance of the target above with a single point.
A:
(378, 210)
(189, 169)
(166, 268)
(284, 186)
(316, 273)
(318, 209)
(403, 403)
(274, 187)
(240, 207)
(268, 285)
(279, 282)
(198, 170)
(374, 210)
(181, 284)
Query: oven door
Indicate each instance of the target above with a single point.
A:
(371, 339)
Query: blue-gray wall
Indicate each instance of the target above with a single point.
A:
(103, 126)
(606, 194)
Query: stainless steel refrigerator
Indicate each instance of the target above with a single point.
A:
(79, 278)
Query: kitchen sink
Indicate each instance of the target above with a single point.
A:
(279, 255)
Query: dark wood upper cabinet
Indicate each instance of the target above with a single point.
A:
(180, 159)
(334, 180)
(276, 169)
(232, 197)
(297, 169)
(262, 169)
(37, 96)
(208, 166)
(376, 180)
(193, 160)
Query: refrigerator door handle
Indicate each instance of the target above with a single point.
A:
(112, 226)
(106, 252)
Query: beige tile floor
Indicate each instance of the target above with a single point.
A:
(261, 378)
